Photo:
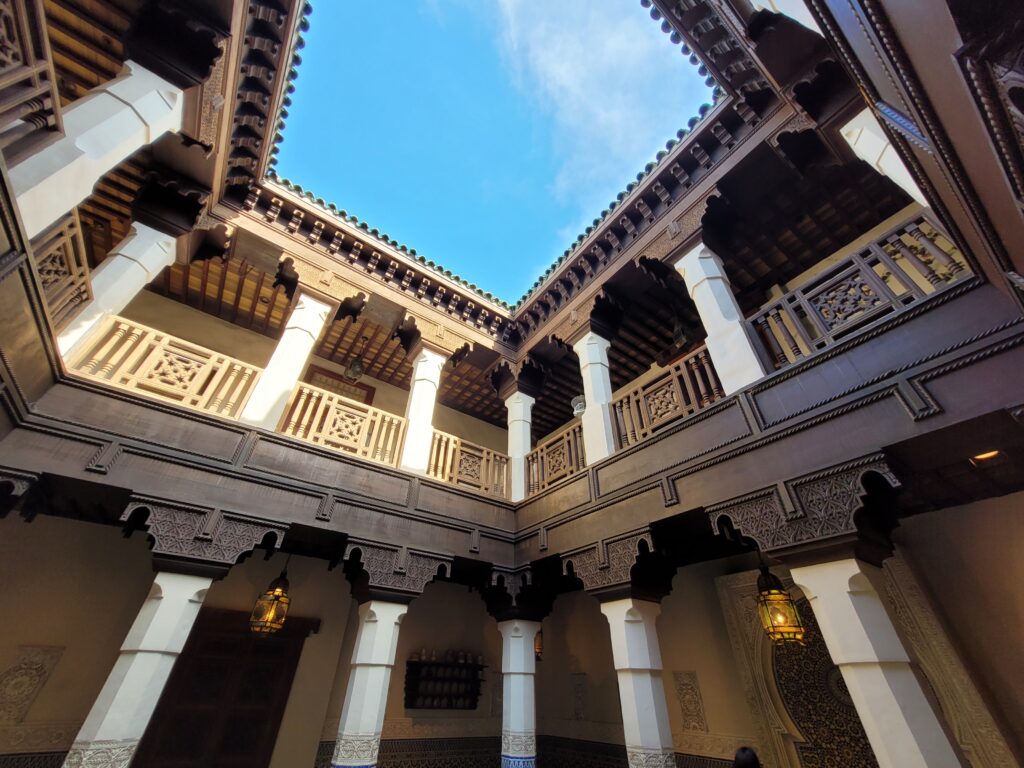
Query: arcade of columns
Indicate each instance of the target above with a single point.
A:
(137, 108)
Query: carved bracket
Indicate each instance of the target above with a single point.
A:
(810, 508)
(374, 567)
(608, 563)
(202, 536)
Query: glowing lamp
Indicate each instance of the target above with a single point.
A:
(779, 617)
(538, 645)
(271, 607)
(981, 458)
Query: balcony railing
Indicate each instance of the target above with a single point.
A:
(327, 419)
(907, 264)
(463, 463)
(60, 262)
(134, 357)
(29, 104)
(682, 389)
(558, 456)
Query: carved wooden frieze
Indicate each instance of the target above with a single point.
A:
(607, 563)
(811, 508)
(394, 568)
(204, 535)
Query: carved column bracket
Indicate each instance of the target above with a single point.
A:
(807, 509)
(196, 539)
(394, 573)
(169, 202)
(14, 487)
(625, 566)
(174, 40)
(525, 376)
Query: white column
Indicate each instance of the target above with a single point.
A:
(366, 698)
(270, 395)
(637, 658)
(122, 711)
(870, 143)
(598, 435)
(901, 725)
(520, 408)
(128, 268)
(796, 10)
(728, 342)
(519, 706)
(100, 130)
(419, 411)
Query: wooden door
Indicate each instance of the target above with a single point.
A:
(223, 703)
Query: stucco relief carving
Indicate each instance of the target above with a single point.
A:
(38, 737)
(608, 563)
(822, 505)
(518, 743)
(360, 747)
(397, 567)
(691, 704)
(21, 682)
(203, 534)
(101, 754)
(961, 703)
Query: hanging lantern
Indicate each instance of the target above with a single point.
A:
(271, 607)
(354, 369)
(538, 645)
(779, 616)
(579, 405)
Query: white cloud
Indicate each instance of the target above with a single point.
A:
(614, 85)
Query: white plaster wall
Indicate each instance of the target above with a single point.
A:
(191, 324)
(75, 585)
(694, 638)
(969, 559)
(577, 642)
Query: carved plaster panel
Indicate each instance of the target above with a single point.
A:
(361, 747)
(21, 682)
(38, 737)
(691, 704)
(638, 757)
(518, 744)
(971, 722)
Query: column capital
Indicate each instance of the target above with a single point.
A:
(698, 264)
(525, 376)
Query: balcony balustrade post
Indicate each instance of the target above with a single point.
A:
(128, 268)
(270, 396)
(728, 342)
(900, 723)
(121, 712)
(419, 411)
(100, 130)
(950, 264)
(520, 409)
(598, 430)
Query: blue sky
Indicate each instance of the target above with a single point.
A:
(486, 134)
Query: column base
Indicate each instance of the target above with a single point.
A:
(109, 754)
(638, 757)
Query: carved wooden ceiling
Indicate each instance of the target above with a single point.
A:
(770, 222)
(106, 215)
(86, 37)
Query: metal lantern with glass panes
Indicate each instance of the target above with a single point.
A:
(271, 607)
(780, 618)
